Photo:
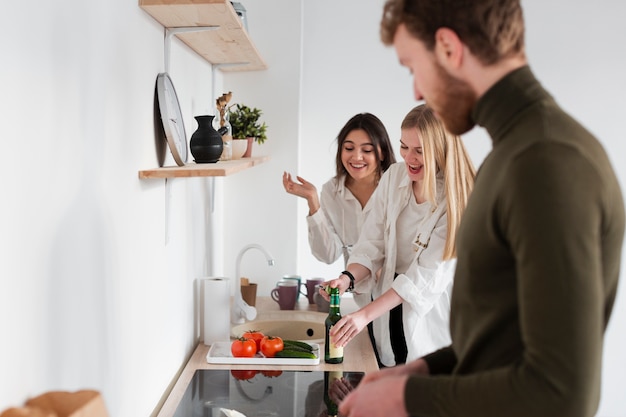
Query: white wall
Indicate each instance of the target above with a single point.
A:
(98, 267)
(255, 200)
(91, 294)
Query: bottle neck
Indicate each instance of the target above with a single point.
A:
(334, 303)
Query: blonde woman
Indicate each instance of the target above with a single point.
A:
(410, 234)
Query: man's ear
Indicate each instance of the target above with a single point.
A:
(448, 49)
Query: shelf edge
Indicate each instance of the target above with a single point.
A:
(192, 170)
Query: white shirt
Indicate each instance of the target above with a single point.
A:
(335, 227)
(425, 287)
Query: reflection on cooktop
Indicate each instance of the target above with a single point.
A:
(256, 393)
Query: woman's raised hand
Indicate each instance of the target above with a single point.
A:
(302, 189)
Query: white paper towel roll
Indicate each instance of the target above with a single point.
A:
(216, 304)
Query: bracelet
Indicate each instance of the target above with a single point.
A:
(349, 275)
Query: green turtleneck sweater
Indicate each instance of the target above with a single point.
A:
(539, 251)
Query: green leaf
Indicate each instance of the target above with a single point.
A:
(245, 123)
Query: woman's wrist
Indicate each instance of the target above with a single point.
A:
(351, 278)
(314, 206)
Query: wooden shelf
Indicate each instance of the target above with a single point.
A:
(218, 169)
(230, 44)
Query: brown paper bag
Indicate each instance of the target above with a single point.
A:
(27, 412)
(248, 291)
(85, 403)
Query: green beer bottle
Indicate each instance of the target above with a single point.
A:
(332, 353)
(332, 409)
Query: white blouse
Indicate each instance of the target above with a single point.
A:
(426, 285)
(335, 227)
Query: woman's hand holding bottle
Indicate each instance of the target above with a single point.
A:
(342, 282)
(348, 327)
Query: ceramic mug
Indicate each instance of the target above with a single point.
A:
(285, 294)
(311, 288)
(322, 304)
(296, 278)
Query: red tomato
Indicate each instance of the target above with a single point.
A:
(243, 374)
(243, 348)
(272, 374)
(270, 345)
(255, 335)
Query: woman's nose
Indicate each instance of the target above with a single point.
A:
(412, 155)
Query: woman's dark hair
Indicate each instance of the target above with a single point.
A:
(377, 133)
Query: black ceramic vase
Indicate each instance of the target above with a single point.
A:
(206, 143)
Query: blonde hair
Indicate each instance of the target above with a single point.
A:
(443, 151)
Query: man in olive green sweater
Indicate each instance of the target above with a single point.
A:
(540, 242)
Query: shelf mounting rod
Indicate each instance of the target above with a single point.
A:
(169, 32)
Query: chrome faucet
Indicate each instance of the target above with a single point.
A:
(241, 311)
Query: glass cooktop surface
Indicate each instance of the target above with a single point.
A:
(255, 393)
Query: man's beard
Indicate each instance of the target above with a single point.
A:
(453, 103)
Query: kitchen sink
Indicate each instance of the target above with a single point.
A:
(287, 324)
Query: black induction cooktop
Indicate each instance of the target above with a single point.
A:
(256, 393)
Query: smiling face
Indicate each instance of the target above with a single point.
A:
(412, 153)
(451, 99)
(358, 156)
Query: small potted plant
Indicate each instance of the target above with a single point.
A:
(246, 125)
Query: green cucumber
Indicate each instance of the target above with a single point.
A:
(295, 354)
(295, 348)
(298, 344)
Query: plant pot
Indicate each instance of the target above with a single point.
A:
(239, 148)
(248, 152)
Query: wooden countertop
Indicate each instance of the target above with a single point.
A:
(358, 356)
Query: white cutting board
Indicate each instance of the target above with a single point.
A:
(220, 353)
